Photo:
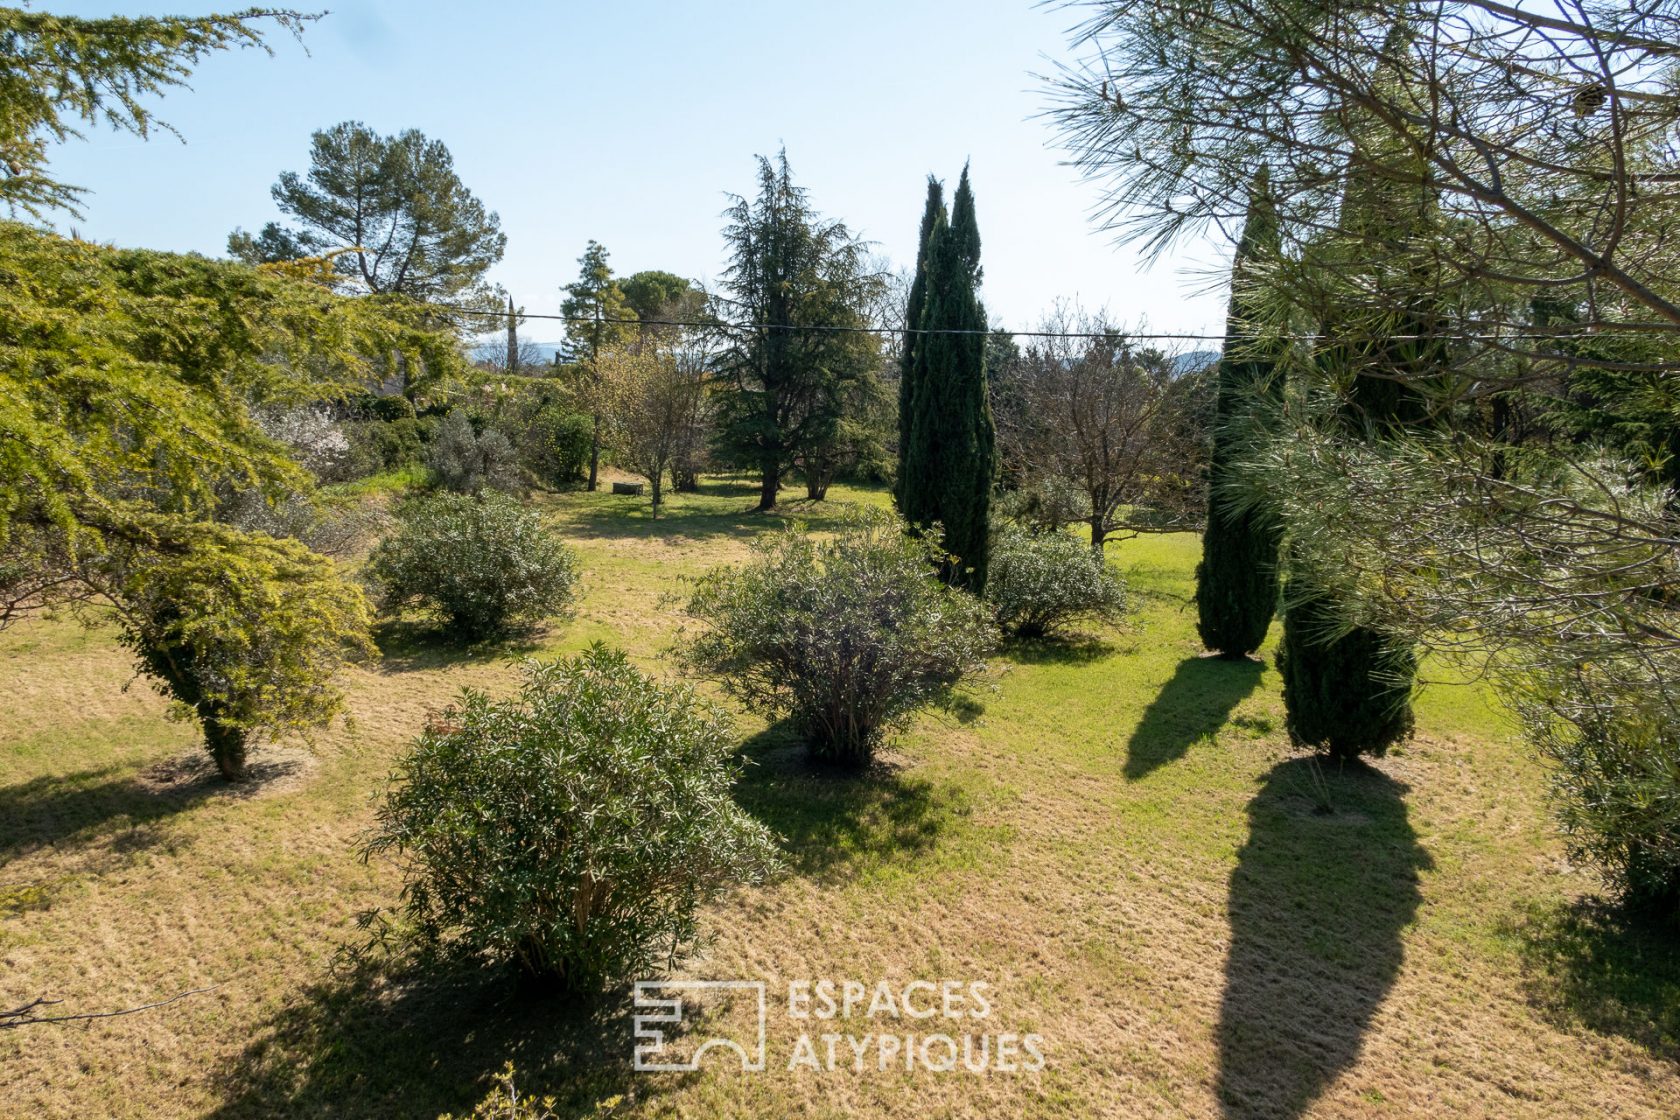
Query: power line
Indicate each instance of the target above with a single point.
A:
(1575, 331)
(830, 328)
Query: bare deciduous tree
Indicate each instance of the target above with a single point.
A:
(653, 401)
(1089, 408)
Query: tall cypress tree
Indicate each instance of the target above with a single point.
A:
(933, 211)
(1237, 580)
(512, 338)
(1349, 691)
(950, 457)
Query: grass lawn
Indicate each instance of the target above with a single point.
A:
(1116, 838)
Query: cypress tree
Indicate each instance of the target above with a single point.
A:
(933, 211)
(1349, 691)
(1237, 580)
(950, 457)
(512, 338)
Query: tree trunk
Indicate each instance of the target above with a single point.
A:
(770, 487)
(595, 454)
(227, 747)
(816, 484)
(655, 481)
(1099, 534)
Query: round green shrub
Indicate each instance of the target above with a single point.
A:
(480, 565)
(1046, 583)
(557, 445)
(574, 829)
(1615, 755)
(848, 635)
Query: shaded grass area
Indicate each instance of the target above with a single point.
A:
(836, 824)
(1595, 967)
(115, 807)
(1323, 889)
(1195, 703)
(426, 1041)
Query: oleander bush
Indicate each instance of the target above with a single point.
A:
(482, 566)
(848, 635)
(1046, 584)
(574, 829)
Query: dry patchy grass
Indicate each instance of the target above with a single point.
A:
(1115, 837)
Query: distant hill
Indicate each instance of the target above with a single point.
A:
(495, 349)
(1194, 360)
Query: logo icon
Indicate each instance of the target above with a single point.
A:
(660, 1004)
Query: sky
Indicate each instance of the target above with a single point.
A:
(630, 121)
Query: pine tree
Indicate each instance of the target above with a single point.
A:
(933, 211)
(950, 458)
(1237, 580)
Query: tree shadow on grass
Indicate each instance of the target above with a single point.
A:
(409, 646)
(1080, 649)
(428, 1042)
(1318, 903)
(1192, 705)
(830, 821)
(115, 807)
(1595, 965)
(623, 517)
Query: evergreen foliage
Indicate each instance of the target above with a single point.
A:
(57, 69)
(949, 460)
(1348, 689)
(242, 631)
(575, 828)
(411, 227)
(481, 566)
(469, 460)
(1044, 584)
(134, 386)
(932, 212)
(793, 277)
(1237, 580)
(848, 635)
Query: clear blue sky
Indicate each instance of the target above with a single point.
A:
(628, 121)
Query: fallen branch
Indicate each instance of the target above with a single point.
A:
(24, 1017)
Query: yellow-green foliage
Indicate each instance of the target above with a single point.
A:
(243, 631)
(130, 374)
(129, 383)
(57, 70)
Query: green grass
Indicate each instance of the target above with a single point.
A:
(1114, 834)
(398, 480)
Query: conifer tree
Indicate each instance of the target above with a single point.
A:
(598, 318)
(1237, 580)
(512, 338)
(950, 458)
(802, 286)
(933, 211)
(1348, 690)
